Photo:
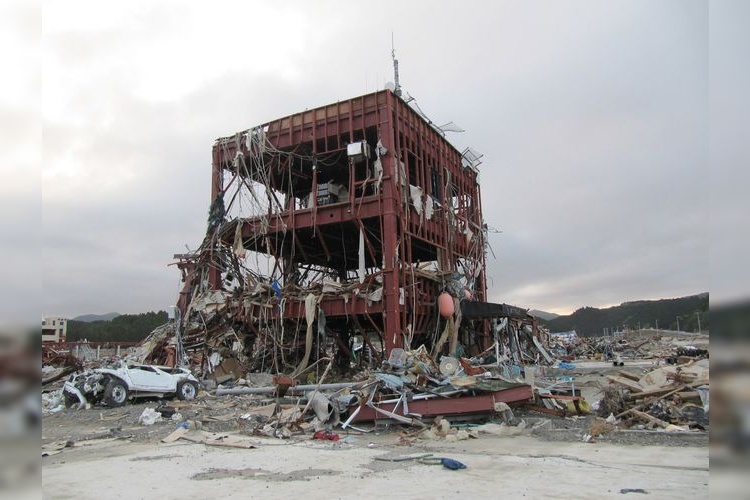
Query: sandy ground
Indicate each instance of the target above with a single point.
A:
(507, 467)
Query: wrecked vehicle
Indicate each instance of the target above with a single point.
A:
(114, 386)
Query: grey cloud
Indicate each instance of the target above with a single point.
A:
(22, 241)
(110, 250)
(729, 152)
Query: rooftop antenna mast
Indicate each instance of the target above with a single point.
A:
(397, 89)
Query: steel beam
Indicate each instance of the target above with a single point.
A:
(464, 405)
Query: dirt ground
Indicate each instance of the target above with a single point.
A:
(110, 455)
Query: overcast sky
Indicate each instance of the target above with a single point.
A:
(592, 118)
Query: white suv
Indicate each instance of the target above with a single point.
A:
(114, 386)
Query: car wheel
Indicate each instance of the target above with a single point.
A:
(116, 393)
(187, 390)
(70, 399)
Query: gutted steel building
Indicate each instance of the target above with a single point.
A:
(342, 225)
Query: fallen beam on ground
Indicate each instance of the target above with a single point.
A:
(645, 416)
(633, 386)
(657, 392)
(631, 376)
(465, 405)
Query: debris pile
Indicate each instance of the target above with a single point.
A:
(673, 398)
(673, 350)
(558, 396)
(52, 402)
(219, 350)
(418, 387)
(410, 386)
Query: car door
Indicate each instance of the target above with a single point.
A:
(148, 378)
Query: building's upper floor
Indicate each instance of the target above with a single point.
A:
(54, 329)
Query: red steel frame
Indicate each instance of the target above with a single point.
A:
(428, 161)
(464, 405)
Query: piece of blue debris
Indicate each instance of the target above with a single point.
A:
(451, 464)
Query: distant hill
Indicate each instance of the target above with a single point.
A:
(88, 318)
(543, 314)
(664, 314)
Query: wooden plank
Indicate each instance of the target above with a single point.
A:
(698, 383)
(266, 410)
(539, 346)
(175, 435)
(658, 392)
(689, 396)
(631, 376)
(230, 442)
(671, 389)
(651, 401)
(645, 416)
(219, 418)
(626, 382)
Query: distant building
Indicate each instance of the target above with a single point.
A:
(566, 337)
(54, 329)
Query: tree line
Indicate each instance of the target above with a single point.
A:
(123, 328)
(664, 314)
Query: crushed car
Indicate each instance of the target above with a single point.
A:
(114, 386)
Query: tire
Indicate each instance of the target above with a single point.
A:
(116, 393)
(70, 399)
(187, 390)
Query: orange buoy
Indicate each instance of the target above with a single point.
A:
(445, 305)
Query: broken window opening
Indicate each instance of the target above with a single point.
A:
(436, 188)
